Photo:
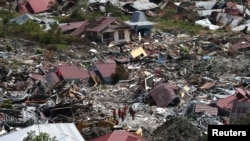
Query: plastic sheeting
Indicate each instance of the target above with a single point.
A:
(207, 23)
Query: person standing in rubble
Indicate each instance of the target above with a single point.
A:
(122, 115)
(130, 110)
(116, 121)
(114, 114)
(125, 110)
(119, 112)
(133, 114)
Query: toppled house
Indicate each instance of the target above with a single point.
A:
(104, 30)
(215, 15)
(61, 131)
(141, 24)
(138, 53)
(101, 72)
(164, 95)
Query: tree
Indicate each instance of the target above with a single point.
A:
(120, 74)
(244, 120)
(32, 136)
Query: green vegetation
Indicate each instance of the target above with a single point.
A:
(177, 26)
(244, 120)
(6, 104)
(120, 74)
(41, 137)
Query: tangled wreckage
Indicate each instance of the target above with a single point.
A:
(143, 86)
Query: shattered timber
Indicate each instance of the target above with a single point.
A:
(128, 80)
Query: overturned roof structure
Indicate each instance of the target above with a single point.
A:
(164, 95)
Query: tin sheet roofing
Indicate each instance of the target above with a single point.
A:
(100, 24)
(119, 135)
(227, 103)
(71, 26)
(144, 5)
(206, 108)
(62, 132)
(39, 5)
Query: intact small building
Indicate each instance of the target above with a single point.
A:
(104, 30)
(103, 72)
(140, 24)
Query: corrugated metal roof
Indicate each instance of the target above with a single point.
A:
(144, 5)
(137, 52)
(62, 132)
(163, 94)
(70, 26)
(80, 29)
(106, 69)
(227, 103)
(72, 72)
(100, 24)
(39, 5)
(205, 4)
(205, 108)
(119, 135)
(23, 18)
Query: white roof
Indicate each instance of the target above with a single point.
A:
(62, 132)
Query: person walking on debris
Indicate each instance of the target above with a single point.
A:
(122, 115)
(116, 121)
(125, 110)
(114, 113)
(133, 114)
(130, 110)
(119, 112)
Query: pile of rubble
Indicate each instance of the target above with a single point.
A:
(162, 86)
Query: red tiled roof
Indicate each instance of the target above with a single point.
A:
(72, 72)
(227, 103)
(71, 26)
(106, 69)
(163, 94)
(80, 29)
(119, 135)
(103, 23)
(39, 5)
